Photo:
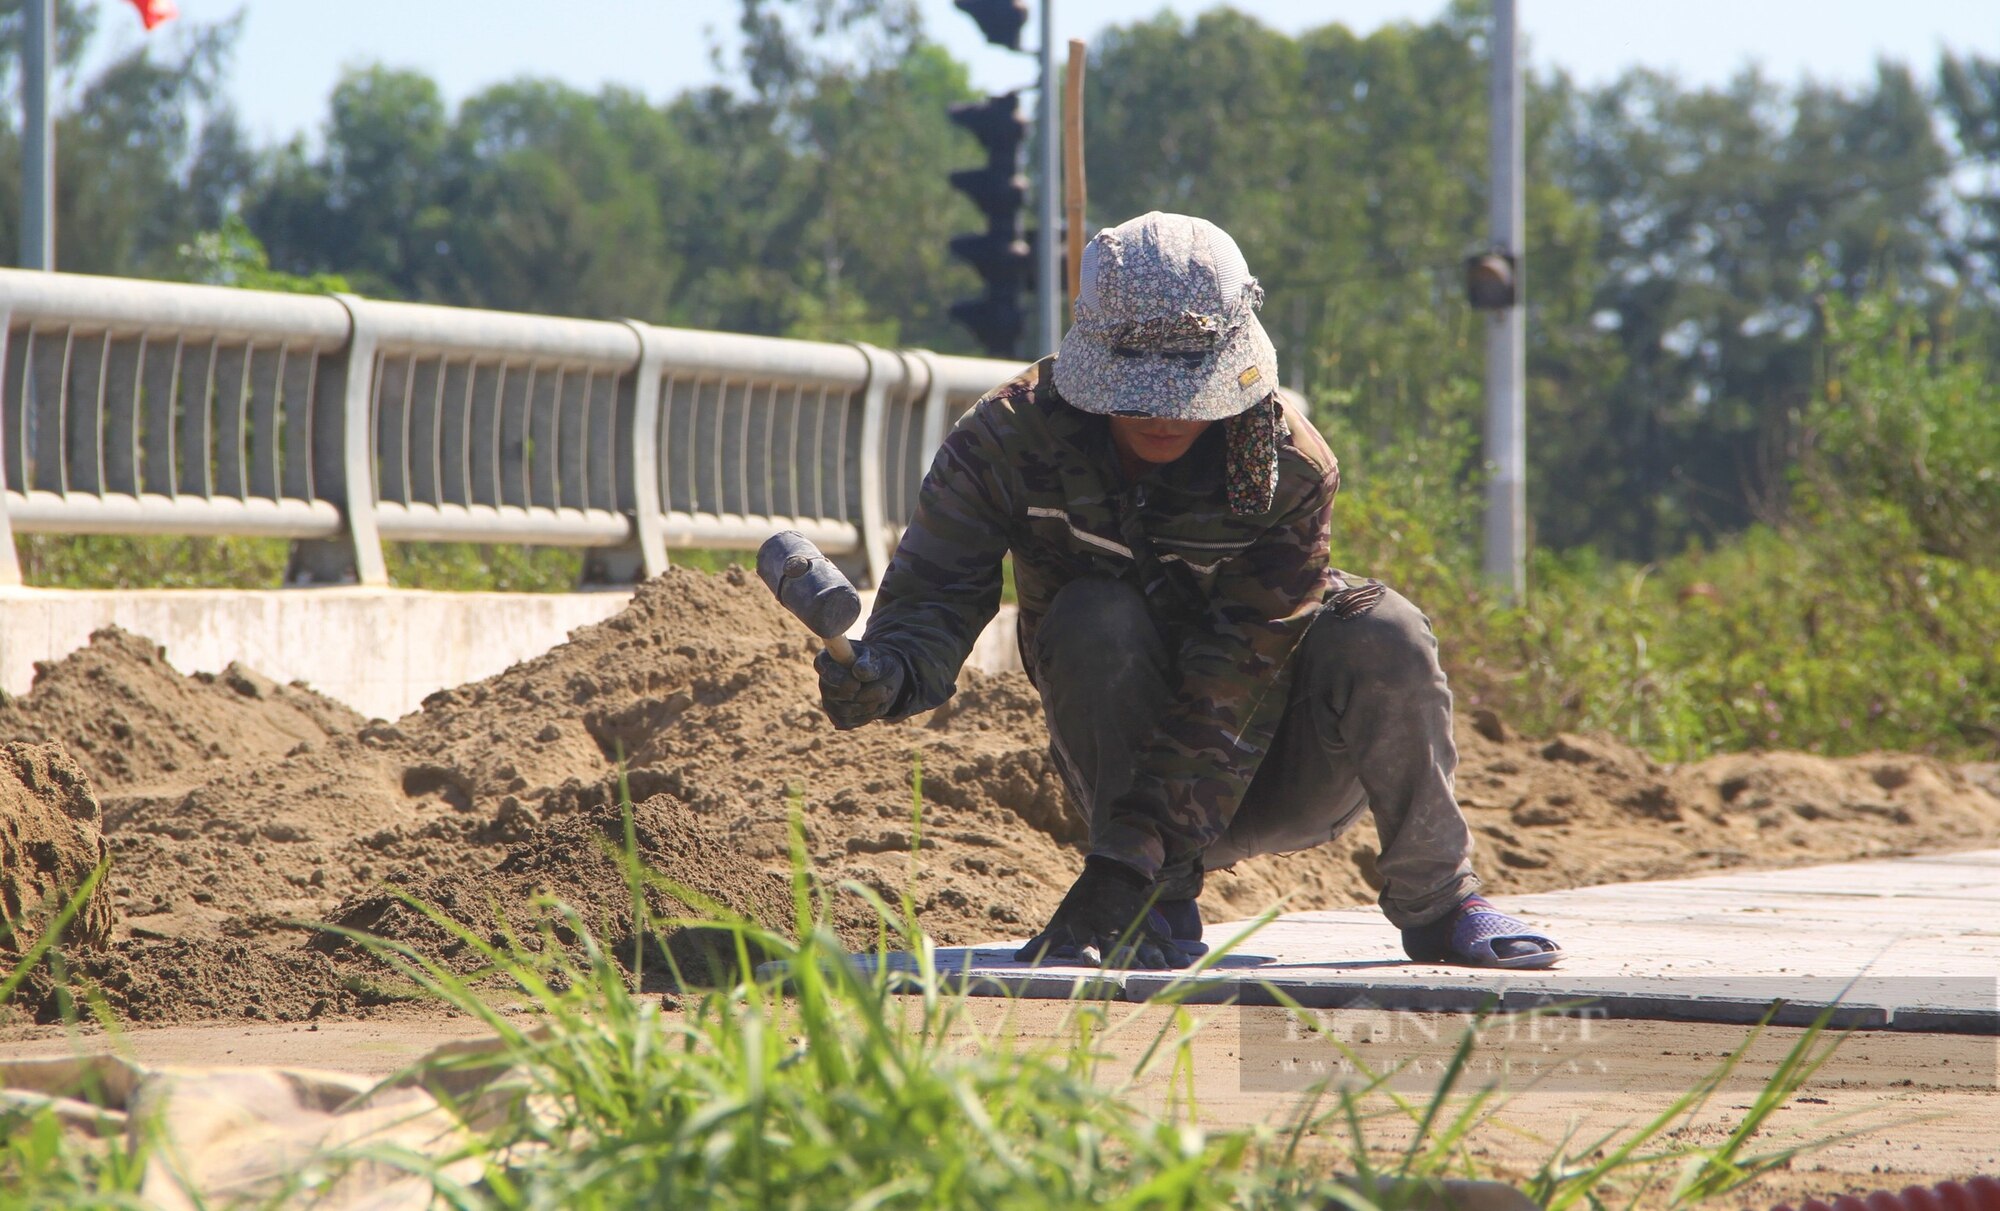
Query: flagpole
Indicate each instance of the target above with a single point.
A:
(38, 136)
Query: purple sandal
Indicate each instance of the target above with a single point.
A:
(1476, 934)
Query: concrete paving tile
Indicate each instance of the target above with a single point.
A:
(1899, 944)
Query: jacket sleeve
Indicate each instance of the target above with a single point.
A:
(1234, 679)
(943, 584)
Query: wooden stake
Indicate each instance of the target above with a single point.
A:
(1073, 187)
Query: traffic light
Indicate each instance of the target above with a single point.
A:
(1000, 255)
(1489, 281)
(999, 20)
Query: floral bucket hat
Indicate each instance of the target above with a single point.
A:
(1166, 325)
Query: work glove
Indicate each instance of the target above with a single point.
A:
(863, 692)
(1106, 910)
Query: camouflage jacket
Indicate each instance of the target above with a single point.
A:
(1025, 472)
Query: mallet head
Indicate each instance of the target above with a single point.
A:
(806, 583)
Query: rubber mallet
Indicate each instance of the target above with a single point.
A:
(806, 583)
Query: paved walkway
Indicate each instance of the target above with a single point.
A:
(1899, 944)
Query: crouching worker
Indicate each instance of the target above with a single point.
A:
(1214, 689)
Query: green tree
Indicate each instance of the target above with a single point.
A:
(368, 205)
(546, 211)
(1351, 171)
(790, 210)
(1713, 203)
(881, 228)
(1969, 94)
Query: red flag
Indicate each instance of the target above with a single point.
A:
(152, 12)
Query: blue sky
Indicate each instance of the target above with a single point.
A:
(292, 51)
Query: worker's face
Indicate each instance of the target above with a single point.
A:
(1152, 439)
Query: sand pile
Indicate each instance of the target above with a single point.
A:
(707, 688)
(49, 844)
(577, 859)
(500, 790)
(133, 723)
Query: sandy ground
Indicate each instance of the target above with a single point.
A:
(1925, 1108)
(240, 814)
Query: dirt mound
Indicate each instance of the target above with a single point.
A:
(496, 792)
(707, 689)
(577, 860)
(705, 686)
(50, 842)
(264, 975)
(1570, 811)
(133, 723)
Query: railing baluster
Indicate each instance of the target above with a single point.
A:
(572, 429)
(15, 390)
(719, 452)
(121, 414)
(844, 456)
(197, 387)
(710, 484)
(895, 452)
(425, 394)
(299, 380)
(669, 392)
(518, 397)
(392, 429)
(157, 457)
(819, 457)
(232, 376)
(608, 489)
(743, 449)
(906, 465)
(791, 470)
(763, 432)
(267, 373)
(482, 443)
(545, 483)
(696, 498)
(83, 416)
(455, 434)
(937, 398)
(13, 372)
(51, 379)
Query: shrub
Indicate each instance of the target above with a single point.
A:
(1861, 621)
(1908, 418)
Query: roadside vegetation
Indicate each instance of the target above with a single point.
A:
(1854, 615)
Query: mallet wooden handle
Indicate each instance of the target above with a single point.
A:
(842, 650)
(1074, 189)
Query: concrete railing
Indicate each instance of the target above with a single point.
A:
(132, 407)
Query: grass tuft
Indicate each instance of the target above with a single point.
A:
(806, 1080)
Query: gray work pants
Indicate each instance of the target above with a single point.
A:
(1367, 726)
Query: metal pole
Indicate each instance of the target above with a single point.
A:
(1048, 242)
(38, 136)
(1506, 327)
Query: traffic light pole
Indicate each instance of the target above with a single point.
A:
(1506, 326)
(1048, 241)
